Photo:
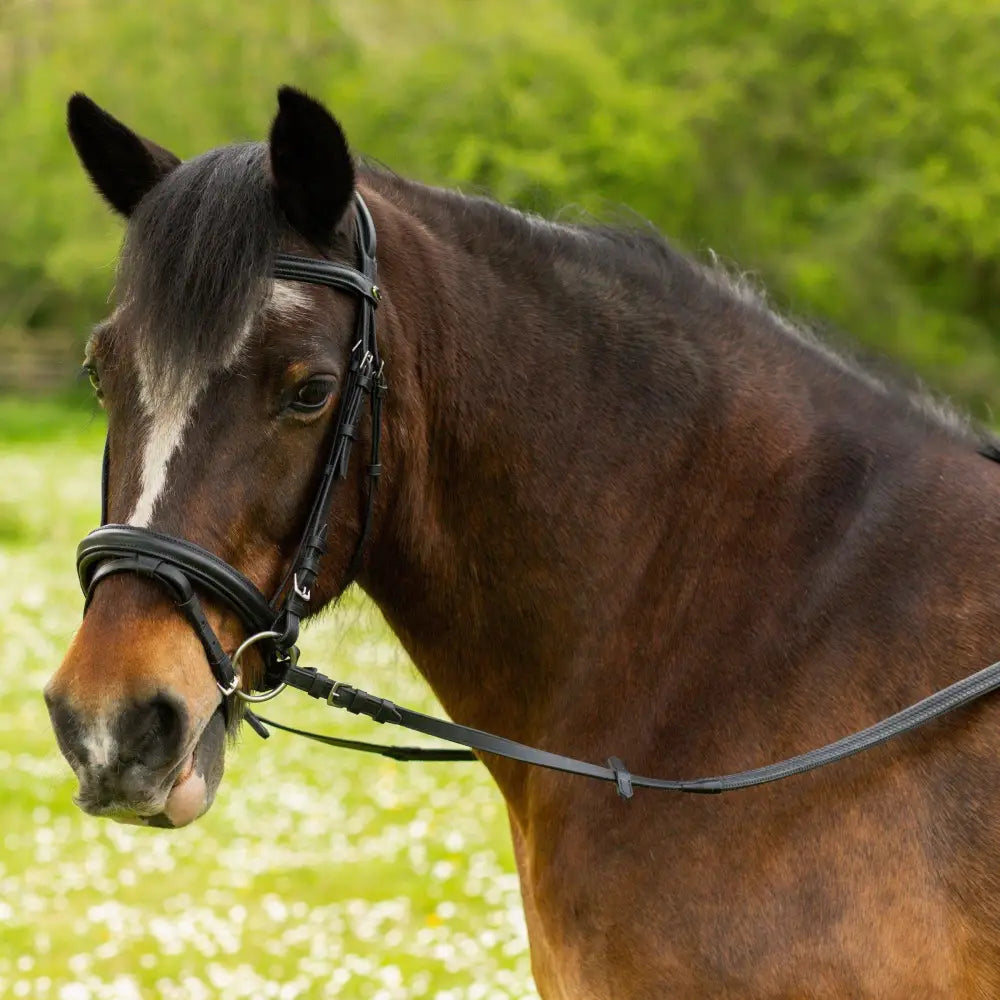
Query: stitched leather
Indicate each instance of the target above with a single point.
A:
(117, 541)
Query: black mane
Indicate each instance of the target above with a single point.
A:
(196, 255)
(201, 244)
(633, 260)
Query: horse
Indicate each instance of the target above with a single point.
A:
(624, 507)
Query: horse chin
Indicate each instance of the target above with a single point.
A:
(194, 790)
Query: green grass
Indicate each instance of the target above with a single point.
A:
(72, 416)
(316, 874)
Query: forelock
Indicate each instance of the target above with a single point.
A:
(196, 261)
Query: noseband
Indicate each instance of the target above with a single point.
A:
(181, 566)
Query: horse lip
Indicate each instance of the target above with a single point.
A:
(186, 763)
(92, 797)
(193, 790)
(92, 802)
(186, 771)
(123, 812)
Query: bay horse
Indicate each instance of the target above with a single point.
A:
(624, 508)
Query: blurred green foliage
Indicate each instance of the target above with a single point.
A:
(846, 151)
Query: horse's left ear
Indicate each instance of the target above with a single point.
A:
(311, 166)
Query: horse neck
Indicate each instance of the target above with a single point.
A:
(589, 475)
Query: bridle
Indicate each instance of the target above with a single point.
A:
(184, 569)
(181, 566)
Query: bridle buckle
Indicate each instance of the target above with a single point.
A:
(231, 688)
(304, 592)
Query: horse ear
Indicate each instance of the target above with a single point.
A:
(122, 165)
(311, 166)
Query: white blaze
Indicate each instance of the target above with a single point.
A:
(169, 399)
(168, 417)
(288, 297)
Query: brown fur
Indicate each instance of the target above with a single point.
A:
(626, 511)
(797, 564)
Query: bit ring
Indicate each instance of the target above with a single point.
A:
(255, 699)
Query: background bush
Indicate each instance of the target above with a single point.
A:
(845, 151)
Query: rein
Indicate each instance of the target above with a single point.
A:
(340, 695)
(181, 566)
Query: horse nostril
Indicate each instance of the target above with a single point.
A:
(153, 732)
(66, 726)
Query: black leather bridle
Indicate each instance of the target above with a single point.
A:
(184, 569)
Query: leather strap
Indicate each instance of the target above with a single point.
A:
(123, 541)
(364, 378)
(426, 754)
(323, 272)
(360, 702)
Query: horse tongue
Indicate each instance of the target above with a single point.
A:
(186, 801)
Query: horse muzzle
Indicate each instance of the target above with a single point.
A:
(144, 765)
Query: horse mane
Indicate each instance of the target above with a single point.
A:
(633, 251)
(197, 254)
(200, 247)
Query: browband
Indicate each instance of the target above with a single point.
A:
(323, 272)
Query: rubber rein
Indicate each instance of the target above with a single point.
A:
(184, 568)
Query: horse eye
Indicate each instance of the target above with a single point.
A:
(312, 395)
(95, 379)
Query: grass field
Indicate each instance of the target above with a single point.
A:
(317, 873)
